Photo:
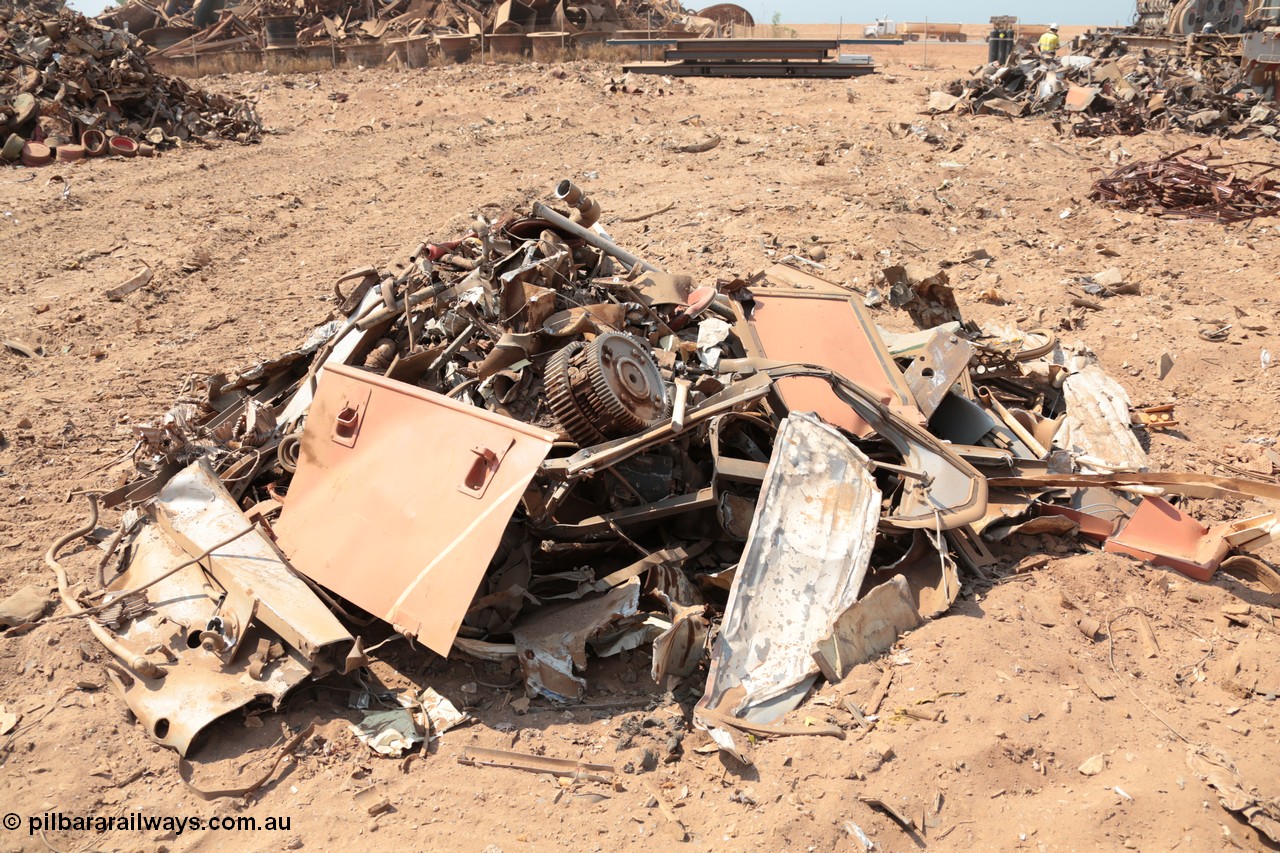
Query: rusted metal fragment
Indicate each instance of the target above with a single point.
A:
(868, 627)
(939, 488)
(1164, 535)
(938, 365)
(1192, 485)
(678, 649)
(1097, 512)
(339, 347)
(553, 642)
(911, 344)
(1048, 524)
(200, 685)
(406, 535)
(1155, 417)
(930, 573)
(807, 555)
(1080, 97)
(478, 756)
(924, 293)
(970, 548)
(196, 510)
(604, 525)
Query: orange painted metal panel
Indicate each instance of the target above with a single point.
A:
(1164, 535)
(833, 332)
(401, 497)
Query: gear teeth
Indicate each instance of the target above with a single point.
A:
(558, 381)
(605, 402)
(583, 387)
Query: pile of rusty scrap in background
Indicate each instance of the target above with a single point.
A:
(184, 27)
(526, 444)
(1108, 92)
(71, 88)
(1192, 184)
(9, 8)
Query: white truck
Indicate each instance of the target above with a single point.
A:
(881, 29)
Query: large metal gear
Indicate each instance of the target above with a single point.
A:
(607, 389)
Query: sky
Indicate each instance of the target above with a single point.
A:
(950, 11)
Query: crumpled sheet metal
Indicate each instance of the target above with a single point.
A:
(950, 494)
(406, 535)
(806, 558)
(1234, 793)
(869, 626)
(199, 686)
(938, 366)
(1097, 424)
(195, 509)
(552, 644)
(931, 575)
(923, 292)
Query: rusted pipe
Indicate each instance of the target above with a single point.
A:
(387, 312)
(452, 349)
(586, 211)
(681, 404)
(985, 395)
(541, 211)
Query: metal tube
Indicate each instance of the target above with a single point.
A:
(386, 313)
(610, 248)
(452, 350)
(985, 395)
(680, 406)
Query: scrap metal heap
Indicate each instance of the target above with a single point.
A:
(1104, 89)
(1193, 184)
(524, 444)
(63, 76)
(214, 25)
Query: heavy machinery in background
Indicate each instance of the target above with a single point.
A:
(1248, 30)
(1188, 17)
(916, 30)
(1209, 27)
(1260, 47)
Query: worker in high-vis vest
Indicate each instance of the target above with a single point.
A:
(1049, 43)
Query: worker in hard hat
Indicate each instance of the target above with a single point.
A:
(1049, 44)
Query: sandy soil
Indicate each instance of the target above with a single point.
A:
(245, 244)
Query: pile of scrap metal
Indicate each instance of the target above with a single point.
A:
(1192, 184)
(526, 443)
(71, 88)
(1108, 91)
(182, 27)
(9, 8)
